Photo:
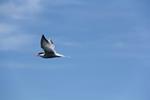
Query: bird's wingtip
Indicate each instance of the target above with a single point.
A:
(42, 35)
(65, 56)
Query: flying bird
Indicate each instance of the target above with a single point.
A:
(49, 49)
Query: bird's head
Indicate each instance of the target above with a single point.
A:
(41, 54)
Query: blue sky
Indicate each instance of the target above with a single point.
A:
(108, 42)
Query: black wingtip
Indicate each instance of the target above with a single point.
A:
(44, 38)
(43, 35)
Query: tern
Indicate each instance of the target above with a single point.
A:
(49, 49)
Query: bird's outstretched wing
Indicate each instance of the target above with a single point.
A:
(47, 46)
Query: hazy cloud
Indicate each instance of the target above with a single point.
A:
(12, 39)
(63, 2)
(6, 29)
(15, 41)
(20, 9)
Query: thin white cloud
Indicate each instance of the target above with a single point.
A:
(21, 10)
(63, 2)
(30, 8)
(6, 29)
(11, 36)
(12, 39)
(15, 41)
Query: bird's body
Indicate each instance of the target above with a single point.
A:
(48, 47)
